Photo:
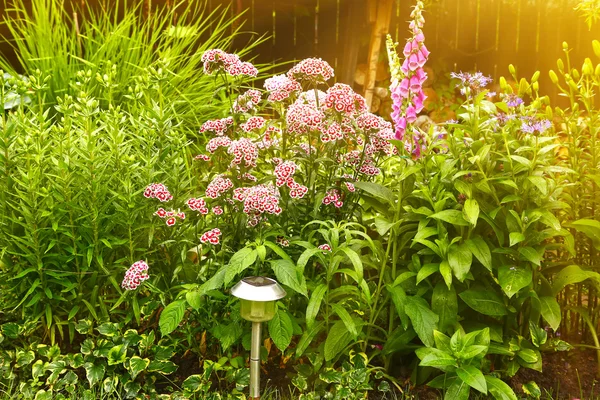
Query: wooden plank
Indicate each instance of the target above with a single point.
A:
(381, 28)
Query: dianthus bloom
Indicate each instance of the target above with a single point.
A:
(341, 98)
(247, 101)
(197, 205)
(282, 241)
(332, 133)
(302, 118)
(325, 247)
(135, 275)
(280, 87)
(243, 150)
(158, 191)
(252, 124)
(259, 199)
(297, 191)
(202, 157)
(311, 70)
(284, 172)
(218, 186)
(211, 236)
(217, 126)
(217, 210)
(220, 141)
(217, 60)
(408, 78)
(333, 197)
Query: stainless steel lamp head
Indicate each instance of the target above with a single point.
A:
(258, 295)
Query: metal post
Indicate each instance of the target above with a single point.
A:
(255, 361)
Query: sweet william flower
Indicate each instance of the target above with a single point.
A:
(135, 275)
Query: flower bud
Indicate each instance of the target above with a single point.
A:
(596, 47)
(565, 46)
(561, 65)
(588, 67)
(549, 113)
(597, 72)
(512, 69)
(503, 83)
(523, 86)
(573, 85)
(535, 86)
(535, 76)
(575, 74)
(553, 77)
(575, 107)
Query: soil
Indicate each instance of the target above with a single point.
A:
(566, 375)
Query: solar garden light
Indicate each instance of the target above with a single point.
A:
(258, 295)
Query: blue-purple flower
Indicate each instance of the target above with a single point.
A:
(512, 100)
(471, 83)
(535, 126)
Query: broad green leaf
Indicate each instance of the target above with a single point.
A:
(163, 367)
(471, 211)
(538, 334)
(528, 355)
(424, 321)
(307, 338)
(337, 339)
(570, 275)
(459, 390)
(239, 262)
(532, 255)
(426, 270)
(481, 251)
(94, 372)
(513, 278)
(590, 227)
(551, 311)
(515, 237)
(281, 329)
(355, 260)
(376, 190)
(453, 217)
(460, 259)
(540, 183)
(117, 355)
(472, 377)
(484, 301)
(194, 299)
(431, 357)
(287, 274)
(499, 389)
(314, 304)
(446, 273)
(136, 365)
(171, 316)
(345, 316)
(445, 304)
(193, 383)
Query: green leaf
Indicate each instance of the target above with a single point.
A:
(239, 262)
(570, 275)
(94, 372)
(460, 259)
(540, 183)
(590, 227)
(484, 301)
(337, 339)
(355, 260)
(445, 304)
(136, 365)
(376, 190)
(459, 390)
(471, 211)
(513, 278)
(499, 389)
(314, 304)
(171, 317)
(515, 237)
(532, 255)
(528, 355)
(345, 316)
(163, 367)
(193, 383)
(399, 300)
(551, 311)
(453, 217)
(427, 270)
(431, 357)
(281, 329)
(472, 377)
(481, 251)
(446, 273)
(424, 320)
(117, 355)
(307, 338)
(287, 274)
(108, 329)
(194, 299)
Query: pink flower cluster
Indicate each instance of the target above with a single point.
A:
(325, 247)
(334, 197)
(158, 191)
(217, 126)
(311, 70)
(332, 133)
(341, 98)
(219, 141)
(218, 186)
(302, 118)
(171, 216)
(282, 241)
(202, 157)
(258, 200)
(197, 205)
(252, 124)
(216, 60)
(135, 275)
(407, 84)
(211, 236)
(284, 173)
(247, 101)
(280, 87)
(243, 150)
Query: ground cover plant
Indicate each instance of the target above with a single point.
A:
(411, 255)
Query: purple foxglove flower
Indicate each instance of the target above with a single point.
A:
(415, 84)
(414, 61)
(411, 114)
(421, 74)
(404, 86)
(419, 37)
(419, 99)
(421, 58)
(400, 128)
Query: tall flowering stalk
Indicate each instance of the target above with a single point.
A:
(407, 83)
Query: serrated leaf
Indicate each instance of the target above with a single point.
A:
(424, 321)
(281, 329)
(171, 316)
(287, 274)
(460, 259)
(445, 304)
(481, 251)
